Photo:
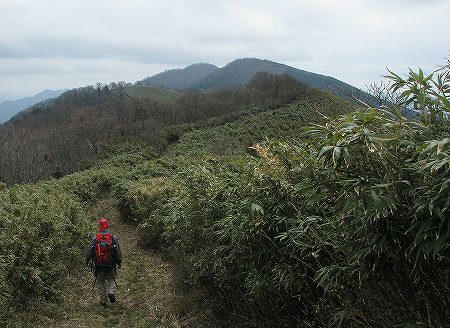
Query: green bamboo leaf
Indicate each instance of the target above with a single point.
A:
(349, 205)
(438, 165)
(376, 199)
(439, 244)
(384, 137)
(405, 93)
(420, 74)
(419, 234)
(324, 150)
(346, 154)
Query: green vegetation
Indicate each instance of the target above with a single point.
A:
(306, 233)
(255, 125)
(347, 220)
(42, 230)
(147, 294)
(314, 213)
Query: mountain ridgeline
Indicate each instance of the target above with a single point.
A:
(240, 71)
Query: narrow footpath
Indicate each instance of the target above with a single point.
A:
(146, 295)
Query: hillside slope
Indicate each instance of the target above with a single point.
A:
(145, 281)
(70, 132)
(73, 131)
(180, 78)
(271, 215)
(250, 126)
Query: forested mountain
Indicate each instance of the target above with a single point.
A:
(9, 108)
(180, 78)
(238, 72)
(71, 132)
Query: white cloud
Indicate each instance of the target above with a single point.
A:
(76, 42)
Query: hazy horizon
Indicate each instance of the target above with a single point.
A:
(58, 45)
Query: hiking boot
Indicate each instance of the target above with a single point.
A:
(112, 298)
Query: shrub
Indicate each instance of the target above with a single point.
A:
(137, 201)
(348, 221)
(43, 229)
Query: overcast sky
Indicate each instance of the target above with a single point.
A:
(54, 44)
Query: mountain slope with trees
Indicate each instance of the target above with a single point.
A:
(240, 72)
(73, 131)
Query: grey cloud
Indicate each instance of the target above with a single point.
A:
(89, 49)
(74, 42)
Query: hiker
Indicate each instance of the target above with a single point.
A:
(104, 253)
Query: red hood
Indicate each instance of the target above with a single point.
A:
(103, 224)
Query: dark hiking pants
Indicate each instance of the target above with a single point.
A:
(106, 283)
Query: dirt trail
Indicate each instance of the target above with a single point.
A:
(146, 296)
